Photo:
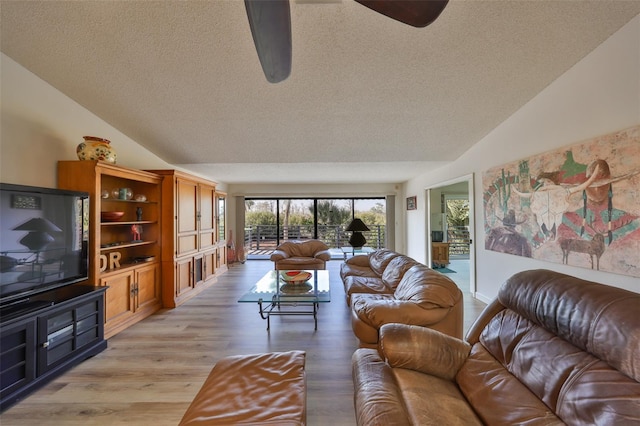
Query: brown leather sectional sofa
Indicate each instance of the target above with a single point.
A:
(387, 287)
(551, 349)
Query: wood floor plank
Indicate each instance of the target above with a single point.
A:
(150, 372)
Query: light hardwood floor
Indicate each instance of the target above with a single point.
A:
(150, 372)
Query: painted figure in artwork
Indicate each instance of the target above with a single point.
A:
(597, 224)
(549, 202)
(578, 206)
(506, 239)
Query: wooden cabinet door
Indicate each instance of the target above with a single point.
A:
(207, 217)
(184, 276)
(209, 265)
(186, 217)
(148, 286)
(119, 303)
(220, 257)
(440, 253)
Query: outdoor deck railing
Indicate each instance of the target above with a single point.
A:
(458, 239)
(264, 237)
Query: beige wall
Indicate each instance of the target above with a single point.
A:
(41, 126)
(599, 95)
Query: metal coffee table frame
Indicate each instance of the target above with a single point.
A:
(275, 297)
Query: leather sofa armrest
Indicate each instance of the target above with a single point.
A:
(323, 255)
(359, 260)
(385, 311)
(278, 255)
(422, 349)
(473, 334)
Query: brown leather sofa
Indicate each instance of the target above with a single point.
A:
(551, 349)
(306, 254)
(387, 287)
(370, 273)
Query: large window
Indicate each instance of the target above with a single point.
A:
(268, 222)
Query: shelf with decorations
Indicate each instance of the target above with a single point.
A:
(125, 228)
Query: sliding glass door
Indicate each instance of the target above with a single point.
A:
(271, 221)
(295, 219)
(334, 215)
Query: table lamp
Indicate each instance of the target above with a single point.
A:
(357, 240)
(38, 236)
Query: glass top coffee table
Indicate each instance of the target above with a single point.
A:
(275, 296)
(355, 251)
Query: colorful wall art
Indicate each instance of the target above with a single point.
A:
(578, 205)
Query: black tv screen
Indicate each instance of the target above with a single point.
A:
(44, 237)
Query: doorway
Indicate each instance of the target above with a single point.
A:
(448, 227)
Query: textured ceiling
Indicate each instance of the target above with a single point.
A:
(183, 79)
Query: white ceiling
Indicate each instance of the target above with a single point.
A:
(183, 79)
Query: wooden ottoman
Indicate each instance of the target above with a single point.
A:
(261, 389)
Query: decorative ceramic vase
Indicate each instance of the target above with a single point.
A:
(125, 194)
(94, 148)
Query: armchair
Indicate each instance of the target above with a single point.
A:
(307, 254)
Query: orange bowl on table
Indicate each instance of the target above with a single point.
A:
(295, 277)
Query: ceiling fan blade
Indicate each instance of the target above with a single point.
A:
(270, 22)
(417, 13)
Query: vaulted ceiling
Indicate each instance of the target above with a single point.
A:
(182, 78)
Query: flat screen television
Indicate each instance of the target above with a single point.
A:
(44, 236)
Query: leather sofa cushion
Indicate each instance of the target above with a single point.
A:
(427, 288)
(396, 396)
(497, 396)
(556, 303)
(379, 259)
(396, 269)
(356, 270)
(353, 285)
(449, 408)
(300, 263)
(553, 371)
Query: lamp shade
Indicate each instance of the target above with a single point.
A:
(38, 224)
(357, 225)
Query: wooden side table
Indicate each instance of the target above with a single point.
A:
(439, 254)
